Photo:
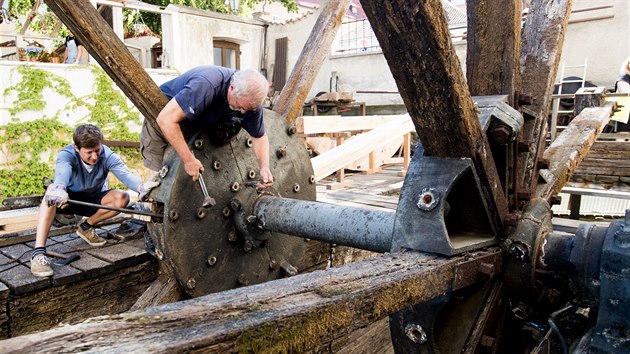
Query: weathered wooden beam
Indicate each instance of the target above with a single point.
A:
(417, 45)
(110, 52)
(334, 124)
(287, 315)
(541, 47)
(492, 54)
(570, 148)
(299, 83)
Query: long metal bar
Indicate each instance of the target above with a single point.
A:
(122, 210)
(366, 229)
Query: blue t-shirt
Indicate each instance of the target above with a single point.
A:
(70, 171)
(201, 93)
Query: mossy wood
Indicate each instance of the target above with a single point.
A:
(287, 315)
(110, 52)
(569, 149)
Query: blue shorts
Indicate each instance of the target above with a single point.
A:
(94, 198)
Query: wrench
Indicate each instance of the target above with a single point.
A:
(207, 199)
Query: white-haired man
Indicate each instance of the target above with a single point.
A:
(216, 99)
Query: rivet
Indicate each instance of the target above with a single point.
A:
(251, 174)
(296, 188)
(281, 152)
(235, 187)
(173, 215)
(416, 333)
(311, 179)
(163, 171)
(227, 212)
(191, 283)
(242, 279)
(232, 236)
(201, 213)
(216, 165)
(427, 200)
(249, 143)
(235, 204)
(198, 144)
(212, 260)
(292, 130)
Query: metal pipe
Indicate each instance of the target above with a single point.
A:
(356, 227)
(122, 210)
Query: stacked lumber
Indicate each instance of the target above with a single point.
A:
(18, 219)
(606, 158)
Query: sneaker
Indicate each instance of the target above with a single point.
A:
(40, 266)
(90, 236)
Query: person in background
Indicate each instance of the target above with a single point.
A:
(74, 50)
(623, 82)
(217, 100)
(81, 171)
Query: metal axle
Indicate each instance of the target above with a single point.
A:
(367, 229)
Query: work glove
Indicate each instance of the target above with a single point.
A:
(56, 195)
(145, 188)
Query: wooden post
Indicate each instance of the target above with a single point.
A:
(340, 174)
(542, 40)
(299, 83)
(493, 49)
(432, 85)
(406, 148)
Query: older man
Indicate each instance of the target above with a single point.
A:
(217, 100)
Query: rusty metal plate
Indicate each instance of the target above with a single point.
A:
(200, 244)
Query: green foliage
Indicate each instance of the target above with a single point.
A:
(29, 141)
(30, 90)
(30, 147)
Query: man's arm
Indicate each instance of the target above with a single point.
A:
(261, 150)
(168, 120)
(80, 50)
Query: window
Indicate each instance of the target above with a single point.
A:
(227, 54)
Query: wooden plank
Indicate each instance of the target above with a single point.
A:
(598, 170)
(570, 147)
(416, 43)
(287, 315)
(332, 160)
(291, 100)
(494, 35)
(102, 43)
(541, 47)
(17, 216)
(606, 193)
(334, 124)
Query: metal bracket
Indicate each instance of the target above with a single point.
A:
(440, 208)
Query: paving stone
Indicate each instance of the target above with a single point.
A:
(21, 251)
(20, 280)
(121, 254)
(91, 266)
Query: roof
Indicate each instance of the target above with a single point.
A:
(273, 12)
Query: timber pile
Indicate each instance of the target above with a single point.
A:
(607, 161)
(18, 219)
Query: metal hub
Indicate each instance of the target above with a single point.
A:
(203, 245)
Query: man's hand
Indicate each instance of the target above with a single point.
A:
(193, 167)
(267, 178)
(145, 188)
(56, 195)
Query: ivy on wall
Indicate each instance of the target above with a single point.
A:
(30, 147)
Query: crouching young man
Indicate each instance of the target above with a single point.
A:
(81, 171)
